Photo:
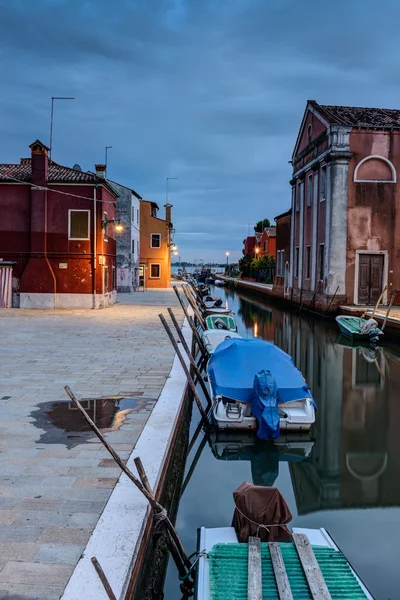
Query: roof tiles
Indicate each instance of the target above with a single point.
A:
(357, 116)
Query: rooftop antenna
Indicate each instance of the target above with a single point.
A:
(106, 149)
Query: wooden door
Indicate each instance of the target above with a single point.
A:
(370, 278)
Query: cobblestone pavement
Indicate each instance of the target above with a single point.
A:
(54, 485)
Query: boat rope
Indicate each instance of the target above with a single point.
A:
(259, 525)
(199, 555)
(161, 516)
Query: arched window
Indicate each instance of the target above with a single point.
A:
(375, 168)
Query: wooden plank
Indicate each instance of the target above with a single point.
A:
(315, 579)
(254, 585)
(281, 577)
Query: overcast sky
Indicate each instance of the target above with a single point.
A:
(208, 91)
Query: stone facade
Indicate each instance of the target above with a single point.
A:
(128, 241)
(345, 197)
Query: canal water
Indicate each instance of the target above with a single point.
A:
(344, 477)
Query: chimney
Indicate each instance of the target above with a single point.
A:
(40, 163)
(100, 171)
(168, 213)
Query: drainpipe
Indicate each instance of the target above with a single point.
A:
(45, 251)
(94, 243)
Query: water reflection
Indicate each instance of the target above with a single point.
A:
(356, 458)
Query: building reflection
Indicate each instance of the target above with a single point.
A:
(355, 461)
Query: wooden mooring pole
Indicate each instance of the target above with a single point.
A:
(191, 359)
(192, 325)
(185, 369)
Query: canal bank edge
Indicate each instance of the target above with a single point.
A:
(120, 533)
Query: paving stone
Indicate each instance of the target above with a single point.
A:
(7, 517)
(95, 482)
(86, 520)
(22, 551)
(20, 533)
(19, 591)
(63, 554)
(34, 573)
(64, 535)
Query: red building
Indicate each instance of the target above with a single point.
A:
(250, 244)
(267, 243)
(345, 222)
(53, 226)
(282, 252)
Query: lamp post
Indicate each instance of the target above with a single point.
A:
(106, 149)
(257, 250)
(227, 261)
(51, 118)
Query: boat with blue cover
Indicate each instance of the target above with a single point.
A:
(255, 385)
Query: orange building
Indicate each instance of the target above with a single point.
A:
(155, 246)
(267, 242)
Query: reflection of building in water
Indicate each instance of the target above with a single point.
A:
(257, 318)
(354, 462)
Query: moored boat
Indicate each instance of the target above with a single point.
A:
(255, 385)
(259, 557)
(357, 328)
(213, 337)
(221, 321)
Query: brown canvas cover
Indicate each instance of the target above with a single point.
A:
(257, 507)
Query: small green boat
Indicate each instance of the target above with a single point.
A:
(357, 328)
(220, 321)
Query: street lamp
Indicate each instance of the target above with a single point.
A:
(117, 223)
(257, 250)
(51, 118)
(227, 259)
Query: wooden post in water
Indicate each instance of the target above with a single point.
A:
(191, 359)
(185, 369)
(192, 325)
(379, 301)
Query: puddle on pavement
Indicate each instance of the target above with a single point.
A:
(64, 424)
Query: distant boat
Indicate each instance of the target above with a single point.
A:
(219, 282)
(255, 385)
(357, 328)
(221, 321)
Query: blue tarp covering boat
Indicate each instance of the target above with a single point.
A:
(255, 371)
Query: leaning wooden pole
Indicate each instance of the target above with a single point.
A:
(379, 301)
(195, 308)
(157, 508)
(103, 578)
(393, 296)
(184, 367)
(190, 321)
(191, 359)
(175, 552)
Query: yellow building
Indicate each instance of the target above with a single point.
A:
(155, 246)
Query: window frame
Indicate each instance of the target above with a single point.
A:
(71, 210)
(322, 196)
(296, 262)
(297, 200)
(151, 240)
(106, 278)
(310, 183)
(133, 247)
(265, 246)
(133, 214)
(105, 232)
(321, 263)
(308, 262)
(159, 271)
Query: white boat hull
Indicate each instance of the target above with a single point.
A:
(237, 415)
(213, 337)
(208, 537)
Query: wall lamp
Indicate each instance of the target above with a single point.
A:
(118, 225)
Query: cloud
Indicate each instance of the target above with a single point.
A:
(208, 91)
